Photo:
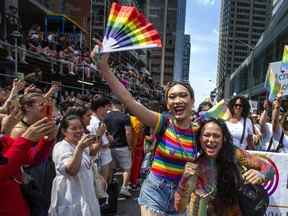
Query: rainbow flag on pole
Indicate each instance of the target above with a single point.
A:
(218, 111)
(128, 29)
(272, 84)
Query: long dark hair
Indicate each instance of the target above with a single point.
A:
(227, 182)
(244, 101)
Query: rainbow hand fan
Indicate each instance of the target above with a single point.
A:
(128, 29)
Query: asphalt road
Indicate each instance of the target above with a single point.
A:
(128, 207)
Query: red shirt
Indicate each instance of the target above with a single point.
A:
(18, 152)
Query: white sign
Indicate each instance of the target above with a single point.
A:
(278, 187)
(253, 105)
(282, 76)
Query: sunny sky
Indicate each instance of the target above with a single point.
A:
(202, 23)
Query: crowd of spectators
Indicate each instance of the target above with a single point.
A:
(74, 56)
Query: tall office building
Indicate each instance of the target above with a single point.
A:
(179, 45)
(164, 16)
(241, 24)
(186, 58)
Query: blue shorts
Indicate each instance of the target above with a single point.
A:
(157, 195)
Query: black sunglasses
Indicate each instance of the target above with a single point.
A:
(238, 105)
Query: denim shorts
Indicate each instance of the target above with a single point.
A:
(157, 195)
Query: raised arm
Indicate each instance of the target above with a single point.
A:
(17, 86)
(275, 115)
(16, 151)
(264, 116)
(259, 170)
(148, 117)
(73, 165)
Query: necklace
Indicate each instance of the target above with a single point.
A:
(25, 123)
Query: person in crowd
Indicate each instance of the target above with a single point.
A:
(32, 105)
(9, 121)
(18, 152)
(175, 147)
(9, 102)
(118, 125)
(280, 130)
(239, 125)
(83, 112)
(38, 164)
(204, 106)
(72, 189)
(254, 117)
(267, 139)
(100, 106)
(138, 136)
(213, 182)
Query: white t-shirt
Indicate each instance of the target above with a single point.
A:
(73, 195)
(236, 130)
(92, 128)
(277, 136)
(266, 136)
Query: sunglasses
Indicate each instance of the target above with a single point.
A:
(238, 105)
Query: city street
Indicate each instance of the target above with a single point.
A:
(187, 99)
(128, 207)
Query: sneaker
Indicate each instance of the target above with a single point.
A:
(125, 192)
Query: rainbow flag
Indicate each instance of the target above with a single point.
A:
(284, 65)
(128, 29)
(218, 111)
(272, 84)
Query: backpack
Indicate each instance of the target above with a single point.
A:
(279, 146)
(36, 186)
(253, 198)
(149, 156)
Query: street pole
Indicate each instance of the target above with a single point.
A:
(16, 35)
(83, 77)
(250, 77)
(163, 44)
(16, 56)
(91, 22)
(252, 72)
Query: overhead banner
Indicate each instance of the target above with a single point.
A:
(278, 187)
